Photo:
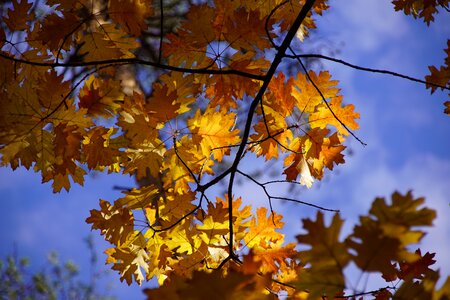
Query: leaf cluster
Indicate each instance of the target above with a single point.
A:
(219, 66)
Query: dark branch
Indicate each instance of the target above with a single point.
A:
(324, 99)
(340, 61)
(133, 61)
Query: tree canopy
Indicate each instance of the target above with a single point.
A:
(223, 80)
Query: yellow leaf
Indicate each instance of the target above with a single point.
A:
(324, 117)
(306, 95)
(262, 230)
(214, 131)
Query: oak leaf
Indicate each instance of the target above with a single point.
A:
(384, 236)
(417, 268)
(326, 257)
(130, 14)
(114, 223)
(214, 131)
(334, 114)
(263, 230)
(101, 97)
(306, 95)
(17, 18)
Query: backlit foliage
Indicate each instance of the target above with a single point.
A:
(219, 94)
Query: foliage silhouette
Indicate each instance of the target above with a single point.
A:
(71, 103)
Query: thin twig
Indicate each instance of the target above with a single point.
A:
(345, 63)
(324, 99)
(131, 61)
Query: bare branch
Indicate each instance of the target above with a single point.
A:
(132, 61)
(325, 100)
(340, 61)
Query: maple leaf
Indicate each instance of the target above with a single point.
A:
(419, 8)
(107, 42)
(162, 103)
(246, 30)
(447, 107)
(176, 206)
(138, 198)
(282, 101)
(199, 25)
(424, 289)
(275, 258)
(269, 145)
(144, 159)
(213, 58)
(179, 52)
(137, 121)
(130, 259)
(94, 45)
(67, 149)
(242, 283)
(440, 77)
(299, 166)
(186, 88)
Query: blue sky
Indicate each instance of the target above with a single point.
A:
(404, 127)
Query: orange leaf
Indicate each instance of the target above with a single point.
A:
(306, 95)
(130, 14)
(214, 131)
(324, 116)
(18, 16)
(417, 268)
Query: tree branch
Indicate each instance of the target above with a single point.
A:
(324, 99)
(340, 61)
(131, 61)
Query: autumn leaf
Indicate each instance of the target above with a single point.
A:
(214, 132)
(334, 114)
(97, 150)
(213, 84)
(130, 14)
(17, 18)
(262, 229)
(130, 259)
(271, 135)
(447, 107)
(306, 95)
(233, 285)
(100, 97)
(162, 103)
(424, 289)
(115, 224)
(327, 257)
(56, 32)
(384, 236)
(417, 268)
(421, 9)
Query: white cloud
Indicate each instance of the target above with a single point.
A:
(368, 24)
